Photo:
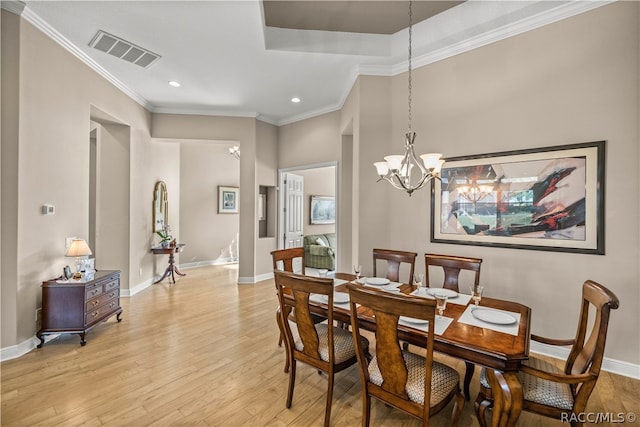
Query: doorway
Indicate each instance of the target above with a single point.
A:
(297, 188)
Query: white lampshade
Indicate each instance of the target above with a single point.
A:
(432, 161)
(382, 168)
(78, 247)
(394, 162)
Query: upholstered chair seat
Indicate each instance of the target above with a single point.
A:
(342, 343)
(539, 390)
(444, 379)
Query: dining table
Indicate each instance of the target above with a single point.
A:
(500, 346)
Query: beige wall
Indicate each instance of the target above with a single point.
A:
(165, 161)
(573, 81)
(209, 235)
(317, 182)
(266, 174)
(10, 73)
(56, 92)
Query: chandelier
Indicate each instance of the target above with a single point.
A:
(235, 152)
(405, 171)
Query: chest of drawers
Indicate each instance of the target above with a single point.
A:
(74, 307)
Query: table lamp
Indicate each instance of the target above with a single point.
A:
(78, 248)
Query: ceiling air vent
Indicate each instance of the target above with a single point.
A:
(123, 49)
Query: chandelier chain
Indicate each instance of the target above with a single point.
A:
(410, 37)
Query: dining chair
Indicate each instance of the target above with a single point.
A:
(394, 259)
(323, 346)
(413, 383)
(290, 259)
(550, 391)
(452, 265)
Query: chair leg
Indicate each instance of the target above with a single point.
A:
(480, 405)
(468, 375)
(327, 411)
(366, 408)
(457, 408)
(292, 381)
(280, 339)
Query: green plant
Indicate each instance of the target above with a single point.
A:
(164, 234)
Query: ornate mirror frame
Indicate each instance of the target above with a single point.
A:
(160, 206)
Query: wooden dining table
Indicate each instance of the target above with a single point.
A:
(501, 353)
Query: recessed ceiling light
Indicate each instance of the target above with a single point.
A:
(174, 83)
(295, 99)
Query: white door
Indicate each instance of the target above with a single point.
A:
(292, 210)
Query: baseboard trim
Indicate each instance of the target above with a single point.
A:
(614, 366)
(255, 279)
(218, 261)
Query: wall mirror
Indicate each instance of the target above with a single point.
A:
(160, 206)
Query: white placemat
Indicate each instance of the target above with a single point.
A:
(338, 282)
(442, 323)
(321, 299)
(461, 299)
(469, 319)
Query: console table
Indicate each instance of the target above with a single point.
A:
(75, 306)
(171, 269)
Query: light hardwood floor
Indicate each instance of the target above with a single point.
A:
(203, 352)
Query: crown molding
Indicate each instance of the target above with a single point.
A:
(12, 6)
(48, 30)
(563, 11)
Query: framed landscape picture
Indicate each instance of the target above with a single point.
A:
(548, 198)
(228, 199)
(322, 210)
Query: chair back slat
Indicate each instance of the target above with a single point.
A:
(452, 266)
(394, 260)
(294, 291)
(587, 352)
(388, 308)
(287, 259)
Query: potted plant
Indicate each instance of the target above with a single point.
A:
(165, 236)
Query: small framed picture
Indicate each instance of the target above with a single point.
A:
(67, 272)
(228, 199)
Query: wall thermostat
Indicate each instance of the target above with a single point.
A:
(48, 209)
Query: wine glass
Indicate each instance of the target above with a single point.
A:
(441, 302)
(417, 280)
(476, 294)
(357, 269)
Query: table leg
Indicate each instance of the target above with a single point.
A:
(166, 273)
(175, 268)
(507, 397)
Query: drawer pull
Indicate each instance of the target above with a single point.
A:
(93, 292)
(113, 304)
(95, 303)
(112, 295)
(94, 314)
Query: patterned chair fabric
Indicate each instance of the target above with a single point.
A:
(444, 379)
(319, 250)
(538, 390)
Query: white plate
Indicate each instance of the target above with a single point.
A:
(448, 292)
(338, 298)
(377, 281)
(492, 316)
(413, 320)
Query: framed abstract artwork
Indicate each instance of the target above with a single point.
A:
(228, 199)
(548, 198)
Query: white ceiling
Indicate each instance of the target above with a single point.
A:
(230, 63)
